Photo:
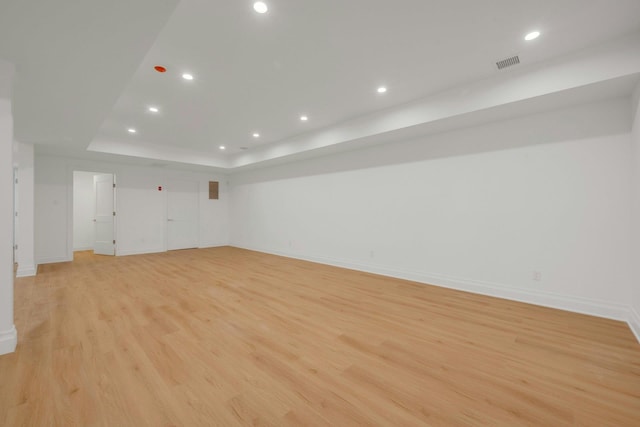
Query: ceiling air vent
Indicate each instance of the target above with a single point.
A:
(508, 62)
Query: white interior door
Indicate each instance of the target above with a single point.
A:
(182, 215)
(104, 243)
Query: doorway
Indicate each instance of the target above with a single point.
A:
(94, 212)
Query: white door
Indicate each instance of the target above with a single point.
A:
(182, 215)
(104, 243)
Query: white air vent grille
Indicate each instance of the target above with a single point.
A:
(514, 60)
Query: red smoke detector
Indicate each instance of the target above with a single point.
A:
(160, 69)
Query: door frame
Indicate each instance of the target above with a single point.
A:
(16, 219)
(98, 170)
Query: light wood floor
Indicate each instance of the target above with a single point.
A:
(226, 337)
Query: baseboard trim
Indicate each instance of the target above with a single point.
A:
(159, 250)
(212, 245)
(84, 248)
(8, 341)
(52, 260)
(27, 271)
(634, 322)
(139, 252)
(545, 299)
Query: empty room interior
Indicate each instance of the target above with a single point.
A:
(330, 213)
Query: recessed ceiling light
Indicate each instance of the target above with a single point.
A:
(256, 135)
(260, 7)
(222, 147)
(154, 109)
(187, 76)
(304, 118)
(131, 130)
(382, 89)
(532, 35)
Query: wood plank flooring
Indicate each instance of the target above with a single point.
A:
(229, 337)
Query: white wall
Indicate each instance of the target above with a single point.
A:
(51, 221)
(634, 320)
(141, 208)
(8, 334)
(84, 204)
(479, 209)
(25, 255)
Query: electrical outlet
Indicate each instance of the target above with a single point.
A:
(372, 254)
(537, 276)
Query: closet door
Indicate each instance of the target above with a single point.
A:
(182, 215)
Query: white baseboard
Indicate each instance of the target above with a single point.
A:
(159, 250)
(139, 251)
(212, 245)
(8, 341)
(634, 322)
(86, 248)
(546, 299)
(27, 270)
(53, 260)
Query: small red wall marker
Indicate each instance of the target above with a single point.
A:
(160, 69)
(159, 187)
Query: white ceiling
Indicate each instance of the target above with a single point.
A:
(85, 67)
(73, 59)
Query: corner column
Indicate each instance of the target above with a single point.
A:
(8, 333)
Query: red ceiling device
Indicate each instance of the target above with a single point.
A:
(160, 69)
